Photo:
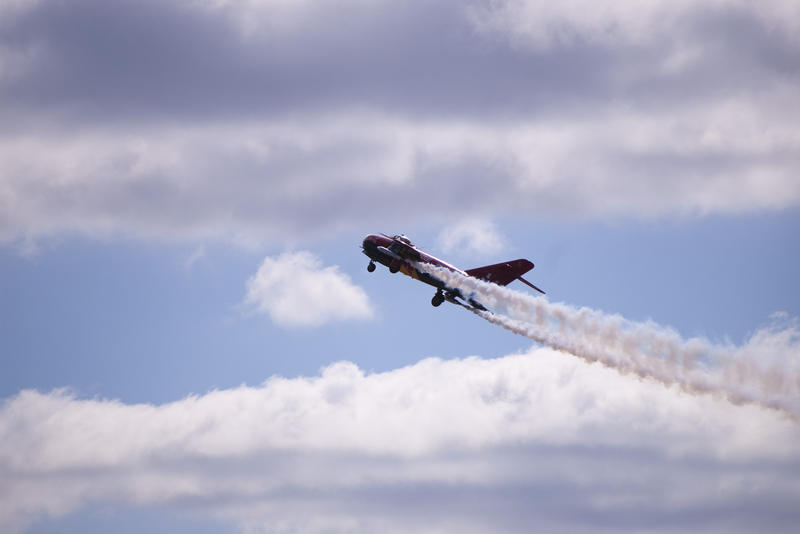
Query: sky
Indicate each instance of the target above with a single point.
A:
(190, 340)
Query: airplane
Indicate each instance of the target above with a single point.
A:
(399, 254)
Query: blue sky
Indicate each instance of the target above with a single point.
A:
(182, 328)
(190, 341)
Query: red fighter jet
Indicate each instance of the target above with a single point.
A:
(399, 254)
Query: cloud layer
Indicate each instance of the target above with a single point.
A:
(257, 120)
(295, 290)
(479, 445)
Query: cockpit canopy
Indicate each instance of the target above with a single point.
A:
(403, 239)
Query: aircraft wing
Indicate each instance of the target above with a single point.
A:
(504, 273)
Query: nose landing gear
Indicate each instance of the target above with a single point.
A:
(371, 267)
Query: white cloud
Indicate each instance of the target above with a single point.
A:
(295, 290)
(473, 237)
(365, 450)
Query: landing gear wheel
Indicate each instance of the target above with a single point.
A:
(371, 267)
(437, 299)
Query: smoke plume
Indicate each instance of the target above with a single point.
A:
(764, 371)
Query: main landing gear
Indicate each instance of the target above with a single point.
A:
(438, 298)
(371, 267)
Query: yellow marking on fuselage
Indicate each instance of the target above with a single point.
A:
(409, 271)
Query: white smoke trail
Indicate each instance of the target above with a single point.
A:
(764, 371)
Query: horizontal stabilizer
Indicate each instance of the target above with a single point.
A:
(530, 285)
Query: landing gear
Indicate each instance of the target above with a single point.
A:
(371, 267)
(438, 298)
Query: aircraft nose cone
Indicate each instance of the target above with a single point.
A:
(370, 242)
(373, 241)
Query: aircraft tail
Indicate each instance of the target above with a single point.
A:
(504, 273)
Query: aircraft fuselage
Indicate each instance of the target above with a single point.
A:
(400, 255)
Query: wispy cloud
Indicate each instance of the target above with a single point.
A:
(412, 448)
(295, 290)
(475, 237)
